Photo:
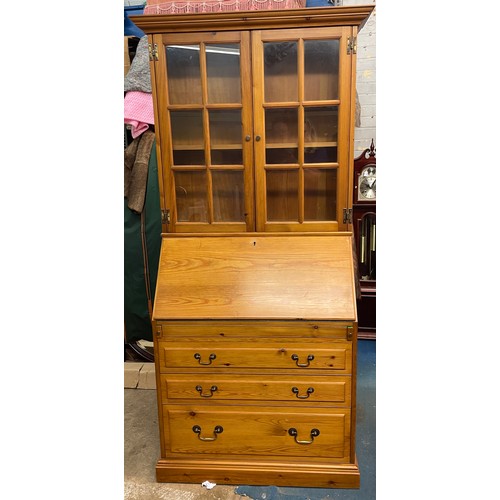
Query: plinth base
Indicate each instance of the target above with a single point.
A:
(259, 474)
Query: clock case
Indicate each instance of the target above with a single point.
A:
(364, 229)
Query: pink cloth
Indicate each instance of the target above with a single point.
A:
(139, 111)
(190, 6)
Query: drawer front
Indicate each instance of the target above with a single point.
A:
(257, 329)
(255, 355)
(216, 387)
(257, 431)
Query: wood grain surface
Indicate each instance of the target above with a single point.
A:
(253, 276)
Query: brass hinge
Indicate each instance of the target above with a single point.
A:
(349, 333)
(165, 216)
(347, 215)
(158, 330)
(153, 52)
(351, 45)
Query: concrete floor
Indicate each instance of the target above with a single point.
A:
(142, 450)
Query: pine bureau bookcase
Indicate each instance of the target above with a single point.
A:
(255, 309)
(255, 353)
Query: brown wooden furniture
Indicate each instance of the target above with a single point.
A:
(255, 353)
(364, 223)
(254, 117)
(255, 310)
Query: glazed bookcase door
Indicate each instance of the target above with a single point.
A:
(203, 93)
(302, 109)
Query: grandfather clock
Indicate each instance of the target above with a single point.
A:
(364, 225)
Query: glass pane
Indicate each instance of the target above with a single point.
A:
(281, 135)
(191, 196)
(320, 194)
(225, 137)
(185, 157)
(187, 137)
(280, 72)
(183, 67)
(223, 72)
(321, 69)
(282, 188)
(229, 199)
(320, 134)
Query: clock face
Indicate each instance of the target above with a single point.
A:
(367, 189)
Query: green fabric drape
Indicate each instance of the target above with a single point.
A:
(137, 319)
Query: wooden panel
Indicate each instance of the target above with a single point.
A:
(345, 136)
(251, 355)
(190, 153)
(231, 330)
(212, 388)
(259, 130)
(272, 197)
(257, 431)
(259, 472)
(292, 276)
(295, 34)
(355, 15)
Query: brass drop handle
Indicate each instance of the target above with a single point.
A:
(217, 430)
(293, 432)
(295, 357)
(309, 391)
(210, 358)
(199, 388)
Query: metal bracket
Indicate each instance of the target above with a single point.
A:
(165, 216)
(153, 52)
(349, 333)
(347, 215)
(351, 45)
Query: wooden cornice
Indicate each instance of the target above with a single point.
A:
(353, 15)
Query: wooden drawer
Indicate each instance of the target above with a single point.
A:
(255, 329)
(275, 355)
(211, 388)
(267, 432)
